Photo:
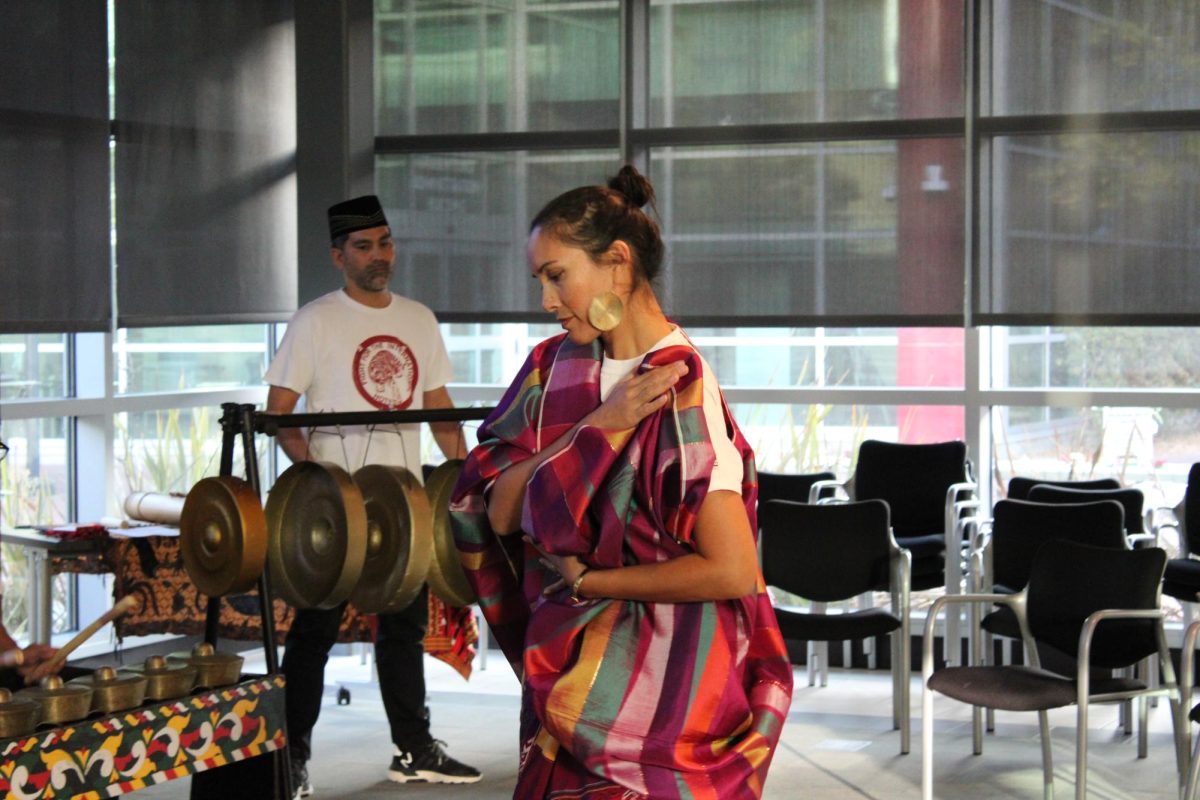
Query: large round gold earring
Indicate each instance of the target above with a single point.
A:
(605, 311)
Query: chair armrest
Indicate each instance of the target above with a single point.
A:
(982, 539)
(814, 491)
(955, 490)
(1180, 544)
(1015, 601)
(979, 569)
(1133, 540)
(900, 569)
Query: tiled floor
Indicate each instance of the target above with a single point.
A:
(838, 744)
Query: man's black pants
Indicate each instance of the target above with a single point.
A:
(399, 658)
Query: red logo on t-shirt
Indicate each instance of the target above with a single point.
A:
(385, 372)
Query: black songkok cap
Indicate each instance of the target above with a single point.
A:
(355, 215)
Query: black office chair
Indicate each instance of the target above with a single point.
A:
(1019, 486)
(1098, 605)
(929, 489)
(798, 487)
(1132, 500)
(1003, 561)
(1018, 530)
(920, 483)
(827, 553)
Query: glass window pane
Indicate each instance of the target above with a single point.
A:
(835, 357)
(1149, 448)
(845, 229)
(813, 437)
(33, 477)
(1095, 358)
(731, 62)
(460, 222)
(1095, 56)
(481, 67)
(200, 357)
(32, 366)
(34, 490)
(169, 450)
(1094, 224)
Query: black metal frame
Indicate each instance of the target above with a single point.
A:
(241, 419)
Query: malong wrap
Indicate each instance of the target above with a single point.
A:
(620, 698)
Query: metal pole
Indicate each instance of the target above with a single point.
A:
(266, 602)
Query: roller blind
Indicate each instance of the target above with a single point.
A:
(205, 162)
(54, 207)
(1093, 221)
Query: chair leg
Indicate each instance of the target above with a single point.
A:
(1006, 656)
(865, 601)
(1143, 706)
(1047, 756)
(904, 676)
(1081, 749)
(810, 660)
(824, 664)
(901, 676)
(1184, 760)
(1125, 708)
(894, 649)
(926, 741)
(951, 643)
(1191, 789)
(977, 730)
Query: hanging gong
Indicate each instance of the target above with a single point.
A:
(446, 577)
(316, 535)
(223, 536)
(399, 539)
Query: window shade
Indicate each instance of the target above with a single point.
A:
(54, 208)
(205, 162)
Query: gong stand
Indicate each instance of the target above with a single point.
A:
(241, 419)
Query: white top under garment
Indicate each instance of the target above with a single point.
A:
(727, 471)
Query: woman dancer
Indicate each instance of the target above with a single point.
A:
(632, 607)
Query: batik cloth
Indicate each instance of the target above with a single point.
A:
(620, 698)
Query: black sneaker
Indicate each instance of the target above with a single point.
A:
(300, 785)
(430, 764)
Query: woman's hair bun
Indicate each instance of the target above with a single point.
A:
(636, 188)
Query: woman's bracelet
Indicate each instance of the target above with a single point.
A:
(576, 584)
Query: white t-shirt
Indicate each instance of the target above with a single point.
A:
(345, 356)
(727, 471)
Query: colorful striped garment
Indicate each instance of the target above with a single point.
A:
(621, 699)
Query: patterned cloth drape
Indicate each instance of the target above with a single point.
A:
(621, 698)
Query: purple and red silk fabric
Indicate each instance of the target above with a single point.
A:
(621, 699)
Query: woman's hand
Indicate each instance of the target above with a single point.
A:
(569, 568)
(38, 662)
(636, 397)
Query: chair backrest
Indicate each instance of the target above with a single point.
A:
(825, 553)
(788, 486)
(1070, 581)
(1130, 499)
(1020, 528)
(912, 479)
(1191, 511)
(1019, 486)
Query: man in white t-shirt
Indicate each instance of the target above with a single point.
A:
(364, 348)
